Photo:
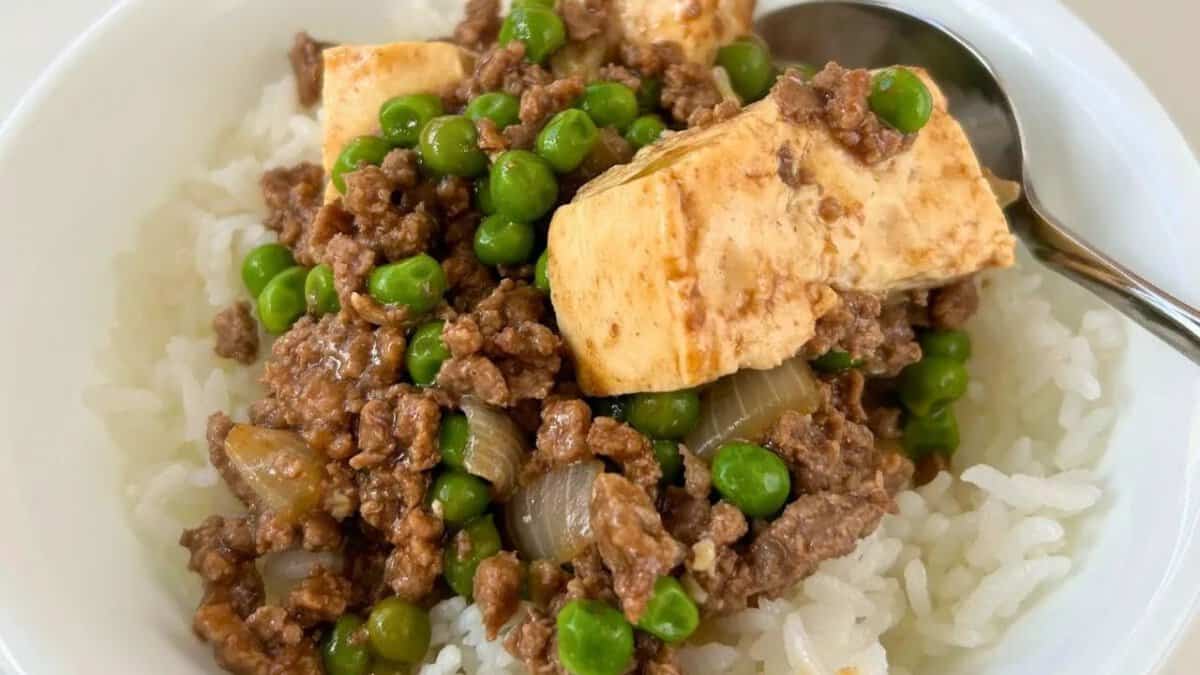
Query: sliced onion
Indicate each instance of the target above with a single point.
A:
(282, 571)
(549, 519)
(496, 448)
(283, 471)
(744, 405)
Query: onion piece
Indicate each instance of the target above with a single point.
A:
(279, 467)
(282, 571)
(744, 405)
(496, 448)
(550, 518)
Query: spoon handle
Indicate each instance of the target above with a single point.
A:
(1172, 320)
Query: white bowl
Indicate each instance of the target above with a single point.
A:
(132, 107)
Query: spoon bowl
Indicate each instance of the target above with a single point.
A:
(871, 34)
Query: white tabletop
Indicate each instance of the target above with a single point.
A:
(1150, 35)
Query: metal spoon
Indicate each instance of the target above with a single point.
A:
(869, 34)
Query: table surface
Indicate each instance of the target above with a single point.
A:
(1148, 35)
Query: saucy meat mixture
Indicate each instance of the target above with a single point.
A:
(422, 434)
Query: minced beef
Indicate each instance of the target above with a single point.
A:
(621, 443)
(687, 89)
(650, 60)
(562, 438)
(308, 67)
(293, 196)
(503, 69)
(480, 24)
(831, 450)
(318, 377)
(539, 103)
(838, 97)
(498, 590)
(951, 306)
(881, 337)
(584, 19)
(237, 333)
(501, 352)
(632, 541)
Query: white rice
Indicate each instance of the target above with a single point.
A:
(962, 559)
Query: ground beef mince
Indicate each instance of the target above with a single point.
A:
(689, 88)
(951, 306)
(503, 69)
(237, 333)
(621, 443)
(318, 377)
(811, 530)
(308, 67)
(480, 24)
(880, 337)
(650, 60)
(838, 97)
(217, 430)
(372, 443)
(585, 19)
(562, 438)
(293, 197)
(532, 643)
(831, 449)
(631, 540)
(498, 590)
(501, 352)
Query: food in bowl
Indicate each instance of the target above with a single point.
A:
(438, 425)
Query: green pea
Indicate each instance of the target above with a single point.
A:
(319, 292)
(282, 302)
(523, 186)
(935, 432)
(835, 361)
(567, 139)
(538, 27)
(463, 497)
(385, 667)
(501, 241)
(548, 4)
(541, 276)
(749, 66)
(594, 638)
(263, 264)
(483, 195)
(610, 104)
(340, 654)
(751, 478)
(950, 344)
(901, 99)
(649, 94)
(417, 283)
(667, 454)
(425, 353)
(402, 118)
(450, 146)
(399, 630)
(459, 569)
(670, 415)
(616, 407)
(500, 107)
(452, 440)
(359, 152)
(670, 615)
(645, 130)
(931, 383)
